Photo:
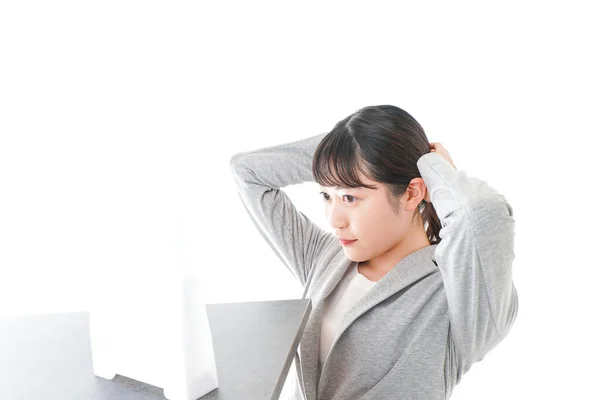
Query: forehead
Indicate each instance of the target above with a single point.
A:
(363, 179)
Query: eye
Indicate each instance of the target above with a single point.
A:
(325, 195)
(349, 198)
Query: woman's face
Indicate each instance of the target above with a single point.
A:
(366, 217)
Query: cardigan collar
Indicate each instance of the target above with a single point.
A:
(410, 269)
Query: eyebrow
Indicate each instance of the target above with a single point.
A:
(347, 187)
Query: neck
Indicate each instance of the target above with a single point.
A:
(383, 263)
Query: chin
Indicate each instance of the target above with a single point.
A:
(355, 257)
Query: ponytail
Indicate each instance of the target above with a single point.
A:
(432, 221)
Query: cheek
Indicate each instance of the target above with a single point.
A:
(379, 226)
(368, 226)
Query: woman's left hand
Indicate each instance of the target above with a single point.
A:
(437, 147)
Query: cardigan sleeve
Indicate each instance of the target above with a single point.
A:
(475, 257)
(259, 176)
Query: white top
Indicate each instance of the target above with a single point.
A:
(346, 294)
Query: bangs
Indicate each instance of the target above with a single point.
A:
(336, 162)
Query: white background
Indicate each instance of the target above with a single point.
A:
(118, 121)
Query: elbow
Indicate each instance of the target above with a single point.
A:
(241, 167)
(237, 166)
(234, 162)
(493, 202)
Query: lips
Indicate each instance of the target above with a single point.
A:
(346, 242)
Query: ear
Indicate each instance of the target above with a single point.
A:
(415, 192)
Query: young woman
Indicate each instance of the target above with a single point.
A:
(416, 283)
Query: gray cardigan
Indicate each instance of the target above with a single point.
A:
(434, 314)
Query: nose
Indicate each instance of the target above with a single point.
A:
(337, 216)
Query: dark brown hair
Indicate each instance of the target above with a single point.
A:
(383, 143)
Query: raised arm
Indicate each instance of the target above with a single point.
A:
(475, 257)
(259, 175)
